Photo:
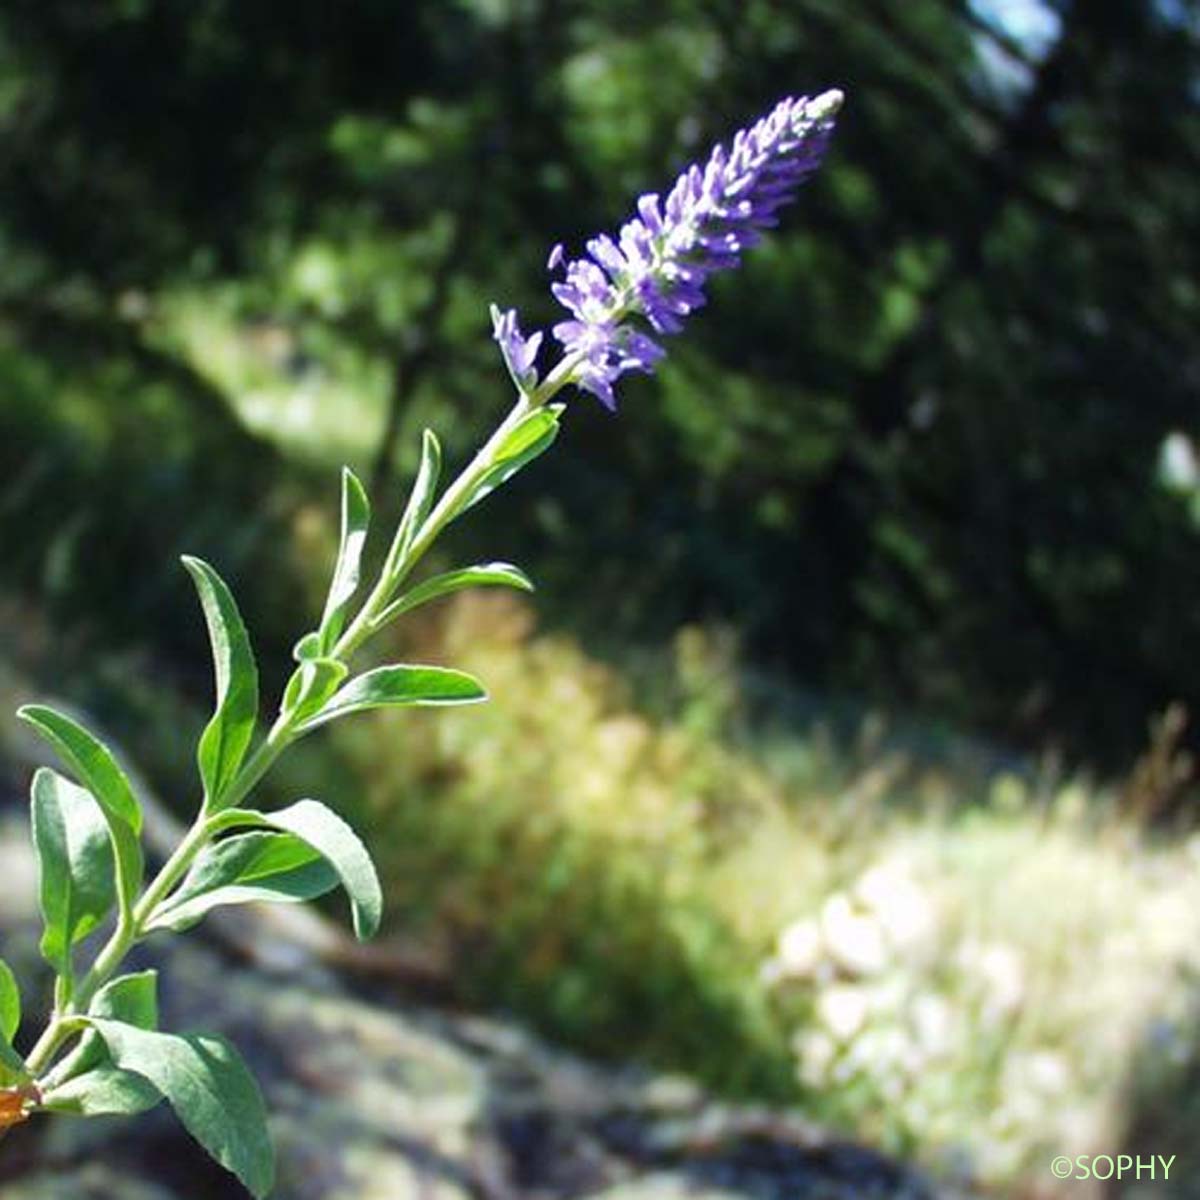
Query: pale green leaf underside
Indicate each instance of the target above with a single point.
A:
(325, 832)
(497, 574)
(227, 736)
(531, 438)
(75, 864)
(399, 686)
(356, 517)
(264, 867)
(211, 1090)
(94, 766)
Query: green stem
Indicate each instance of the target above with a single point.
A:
(397, 566)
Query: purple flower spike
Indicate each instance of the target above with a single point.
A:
(519, 352)
(657, 267)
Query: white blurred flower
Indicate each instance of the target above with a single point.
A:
(898, 904)
(999, 972)
(843, 1010)
(815, 1052)
(855, 941)
(800, 948)
(1178, 469)
(933, 1024)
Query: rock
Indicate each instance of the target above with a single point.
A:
(375, 1098)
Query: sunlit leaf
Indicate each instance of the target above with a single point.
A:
(94, 766)
(399, 686)
(496, 574)
(323, 830)
(356, 517)
(265, 867)
(75, 865)
(227, 736)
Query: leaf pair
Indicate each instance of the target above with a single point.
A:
(292, 855)
(88, 839)
(124, 1065)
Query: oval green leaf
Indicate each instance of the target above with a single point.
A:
(399, 686)
(93, 765)
(224, 742)
(265, 867)
(323, 830)
(211, 1090)
(420, 500)
(74, 849)
(530, 439)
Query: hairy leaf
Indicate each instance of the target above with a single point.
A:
(531, 438)
(94, 766)
(270, 867)
(497, 574)
(356, 517)
(399, 686)
(211, 1090)
(323, 830)
(75, 865)
(420, 500)
(224, 742)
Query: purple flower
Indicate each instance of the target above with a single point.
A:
(657, 267)
(519, 353)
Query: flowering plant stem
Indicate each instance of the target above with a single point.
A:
(87, 829)
(64, 1024)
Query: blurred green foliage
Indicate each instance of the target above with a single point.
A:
(910, 451)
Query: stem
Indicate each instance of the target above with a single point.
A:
(396, 567)
(60, 1029)
(66, 1021)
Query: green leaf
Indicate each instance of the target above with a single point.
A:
(497, 574)
(530, 438)
(94, 766)
(323, 830)
(95, 1084)
(211, 1090)
(224, 742)
(420, 501)
(399, 686)
(104, 1090)
(309, 646)
(270, 867)
(75, 865)
(130, 998)
(356, 516)
(311, 684)
(10, 1003)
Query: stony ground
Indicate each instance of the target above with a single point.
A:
(375, 1097)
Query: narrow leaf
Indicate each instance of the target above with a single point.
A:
(211, 1090)
(227, 736)
(75, 865)
(269, 867)
(356, 516)
(10, 1003)
(532, 437)
(420, 501)
(322, 829)
(495, 574)
(399, 686)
